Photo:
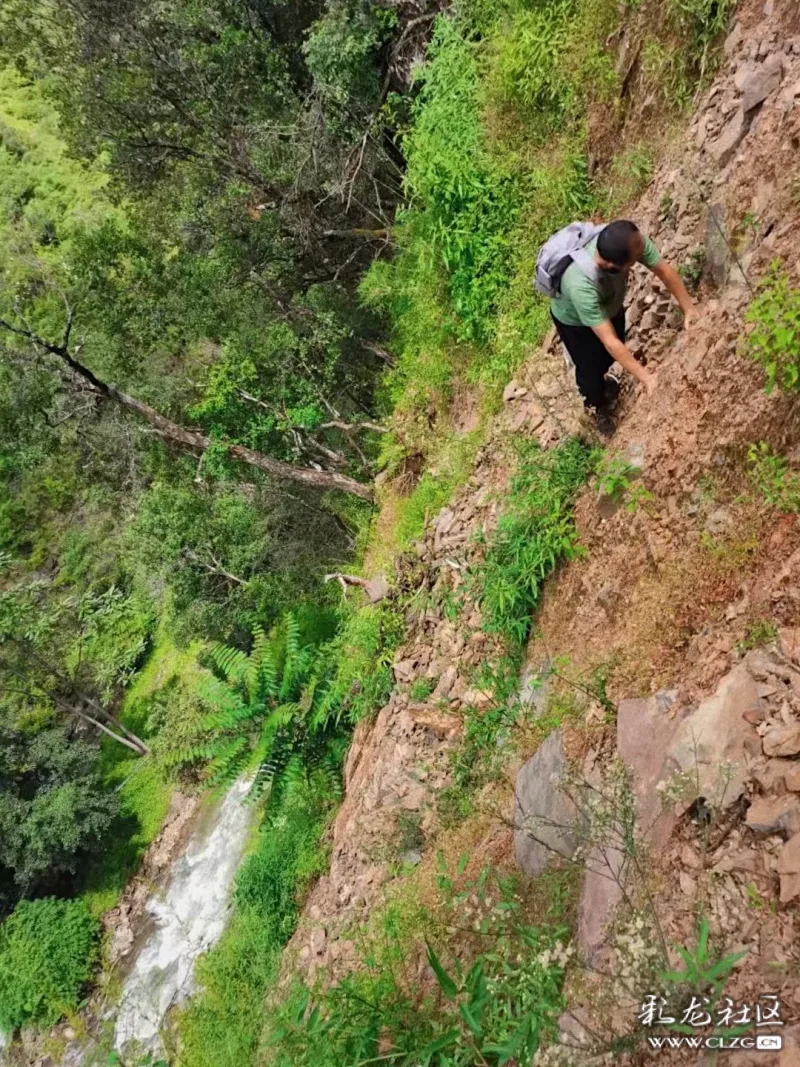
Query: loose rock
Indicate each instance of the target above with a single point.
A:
(769, 815)
(789, 869)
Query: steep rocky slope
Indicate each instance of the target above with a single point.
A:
(669, 593)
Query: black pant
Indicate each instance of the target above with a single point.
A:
(591, 359)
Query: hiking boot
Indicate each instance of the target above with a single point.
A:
(604, 423)
(611, 387)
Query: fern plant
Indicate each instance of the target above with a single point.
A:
(269, 720)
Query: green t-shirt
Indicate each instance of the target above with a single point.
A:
(580, 303)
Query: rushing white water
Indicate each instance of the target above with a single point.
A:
(189, 915)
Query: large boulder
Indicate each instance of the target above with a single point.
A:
(715, 744)
(733, 133)
(759, 83)
(545, 818)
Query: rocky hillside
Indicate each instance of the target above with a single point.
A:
(688, 587)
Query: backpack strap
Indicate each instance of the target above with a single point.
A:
(587, 265)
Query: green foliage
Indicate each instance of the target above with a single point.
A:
(143, 797)
(222, 1023)
(544, 62)
(358, 662)
(47, 950)
(470, 204)
(772, 478)
(268, 717)
(774, 340)
(617, 480)
(535, 531)
(435, 488)
(278, 712)
(54, 810)
(493, 1007)
(702, 973)
(692, 270)
(701, 22)
(421, 688)
(760, 632)
(341, 52)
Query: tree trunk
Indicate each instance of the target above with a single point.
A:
(193, 439)
(134, 743)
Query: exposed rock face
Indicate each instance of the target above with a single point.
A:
(646, 731)
(545, 816)
(717, 751)
(737, 157)
(733, 133)
(717, 245)
(715, 743)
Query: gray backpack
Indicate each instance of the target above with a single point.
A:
(563, 248)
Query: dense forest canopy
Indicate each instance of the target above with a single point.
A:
(188, 379)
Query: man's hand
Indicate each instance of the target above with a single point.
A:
(689, 318)
(650, 384)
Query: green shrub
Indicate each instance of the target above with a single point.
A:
(617, 480)
(47, 950)
(360, 661)
(700, 22)
(774, 341)
(545, 59)
(421, 688)
(534, 532)
(772, 478)
(494, 1008)
(467, 203)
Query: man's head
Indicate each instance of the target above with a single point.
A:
(619, 245)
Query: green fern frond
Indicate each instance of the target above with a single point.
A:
(227, 766)
(232, 663)
(258, 652)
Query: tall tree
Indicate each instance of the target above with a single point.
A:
(172, 431)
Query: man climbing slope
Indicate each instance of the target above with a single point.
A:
(588, 286)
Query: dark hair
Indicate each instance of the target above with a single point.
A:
(616, 240)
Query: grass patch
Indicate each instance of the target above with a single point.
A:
(773, 480)
(760, 632)
(535, 531)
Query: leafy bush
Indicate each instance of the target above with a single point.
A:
(47, 950)
(268, 717)
(494, 1007)
(534, 532)
(546, 58)
(359, 662)
(340, 53)
(772, 478)
(617, 480)
(54, 809)
(468, 205)
(701, 22)
(774, 341)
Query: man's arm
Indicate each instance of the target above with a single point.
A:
(673, 281)
(623, 355)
